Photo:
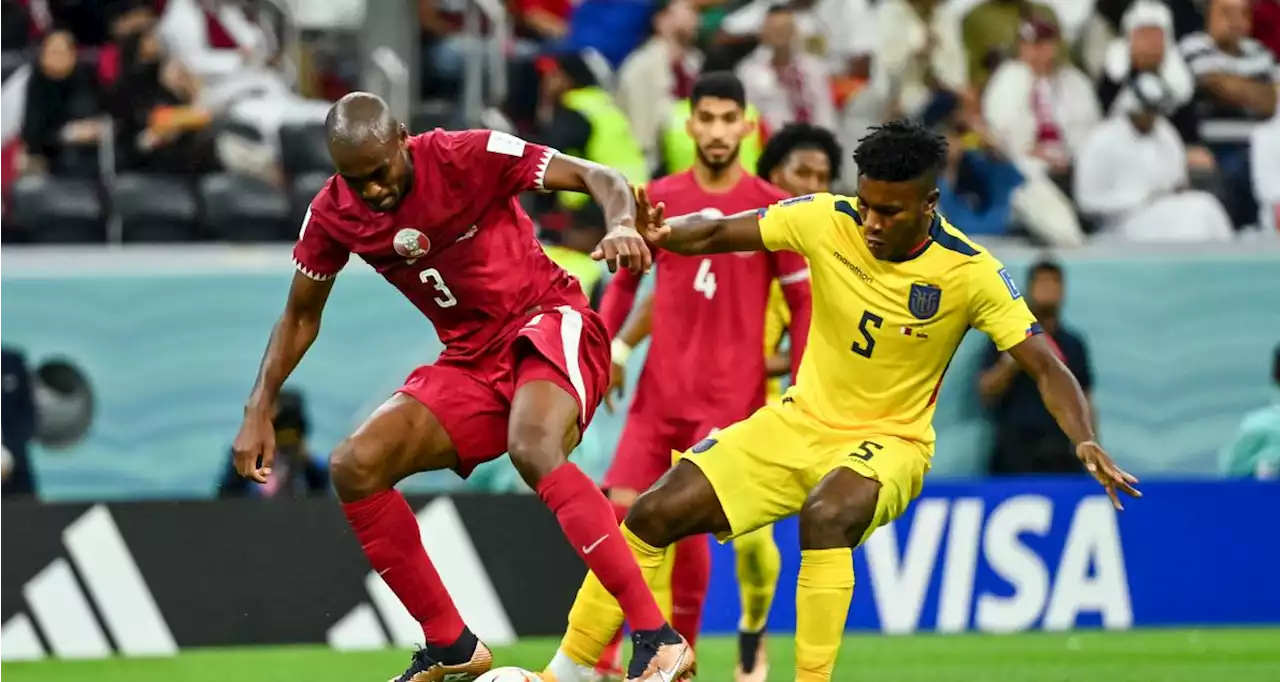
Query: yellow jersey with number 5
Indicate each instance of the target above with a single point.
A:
(884, 332)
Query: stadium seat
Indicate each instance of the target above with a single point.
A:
(303, 149)
(155, 208)
(52, 209)
(302, 191)
(238, 208)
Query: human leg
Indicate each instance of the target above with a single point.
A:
(403, 437)
(860, 491)
(642, 457)
(758, 564)
(562, 366)
(680, 505)
(724, 485)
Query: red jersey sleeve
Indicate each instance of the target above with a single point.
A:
(511, 164)
(317, 254)
(792, 271)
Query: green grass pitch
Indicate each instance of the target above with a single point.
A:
(1210, 655)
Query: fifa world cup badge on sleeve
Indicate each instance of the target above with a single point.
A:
(923, 301)
(1008, 282)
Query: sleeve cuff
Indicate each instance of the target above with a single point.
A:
(312, 273)
(540, 175)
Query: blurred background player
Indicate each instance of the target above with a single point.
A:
(704, 369)
(524, 365)
(848, 447)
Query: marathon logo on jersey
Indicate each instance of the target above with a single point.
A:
(1009, 284)
(796, 200)
(411, 244)
(924, 300)
(703, 445)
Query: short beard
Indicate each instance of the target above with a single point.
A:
(718, 167)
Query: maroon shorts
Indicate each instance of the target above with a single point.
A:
(472, 398)
(647, 447)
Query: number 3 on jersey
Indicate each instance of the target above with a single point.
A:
(705, 281)
(868, 342)
(446, 298)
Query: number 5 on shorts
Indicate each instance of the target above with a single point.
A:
(866, 450)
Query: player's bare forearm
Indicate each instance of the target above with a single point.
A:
(1058, 388)
(606, 186)
(292, 335)
(710, 232)
(639, 323)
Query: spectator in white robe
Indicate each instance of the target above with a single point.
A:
(246, 82)
(1038, 112)
(1132, 174)
(1265, 150)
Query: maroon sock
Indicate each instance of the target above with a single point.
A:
(690, 577)
(389, 535)
(588, 522)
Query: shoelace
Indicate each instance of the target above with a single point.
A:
(648, 646)
(419, 663)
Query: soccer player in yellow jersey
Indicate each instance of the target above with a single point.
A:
(895, 288)
(800, 159)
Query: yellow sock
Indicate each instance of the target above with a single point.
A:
(759, 564)
(661, 584)
(595, 615)
(823, 592)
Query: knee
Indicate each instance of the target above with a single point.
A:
(651, 520)
(357, 469)
(827, 523)
(535, 450)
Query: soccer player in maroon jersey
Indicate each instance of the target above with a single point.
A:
(705, 368)
(524, 365)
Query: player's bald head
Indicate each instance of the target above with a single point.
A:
(368, 148)
(360, 118)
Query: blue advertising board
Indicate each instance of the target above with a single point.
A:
(1048, 554)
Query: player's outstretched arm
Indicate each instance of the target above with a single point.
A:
(610, 189)
(707, 231)
(254, 447)
(1067, 403)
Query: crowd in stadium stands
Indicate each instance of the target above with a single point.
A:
(1068, 118)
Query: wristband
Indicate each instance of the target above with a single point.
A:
(620, 352)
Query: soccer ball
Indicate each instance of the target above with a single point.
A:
(509, 675)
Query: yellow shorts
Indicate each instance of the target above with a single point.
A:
(763, 467)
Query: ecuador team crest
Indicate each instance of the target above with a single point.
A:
(923, 301)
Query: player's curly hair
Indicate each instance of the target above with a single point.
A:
(900, 151)
(794, 136)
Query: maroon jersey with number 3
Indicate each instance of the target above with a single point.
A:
(459, 246)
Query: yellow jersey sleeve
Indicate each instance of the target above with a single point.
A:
(791, 224)
(996, 306)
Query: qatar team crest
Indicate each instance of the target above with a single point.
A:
(410, 243)
(923, 301)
